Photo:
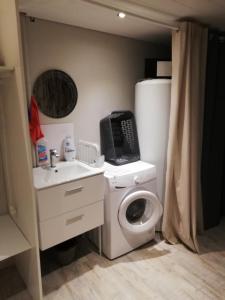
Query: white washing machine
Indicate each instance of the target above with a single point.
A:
(132, 208)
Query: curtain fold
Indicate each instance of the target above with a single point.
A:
(3, 200)
(182, 209)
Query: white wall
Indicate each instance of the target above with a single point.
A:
(104, 67)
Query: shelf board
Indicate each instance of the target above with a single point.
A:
(5, 71)
(12, 241)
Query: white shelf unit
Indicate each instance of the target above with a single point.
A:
(12, 240)
(5, 72)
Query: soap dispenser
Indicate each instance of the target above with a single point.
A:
(69, 149)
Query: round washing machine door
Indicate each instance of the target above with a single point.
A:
(139, 211)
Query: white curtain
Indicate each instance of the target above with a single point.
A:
(182, 211)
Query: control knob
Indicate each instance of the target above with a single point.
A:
(137, 180)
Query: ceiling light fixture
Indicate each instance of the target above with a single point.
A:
(121, 15)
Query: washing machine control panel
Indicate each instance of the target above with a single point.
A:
(129, 180)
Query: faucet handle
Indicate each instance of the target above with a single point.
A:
(53, 151)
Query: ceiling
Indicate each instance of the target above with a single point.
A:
(101, 15)
(88, 15)
(210, 12)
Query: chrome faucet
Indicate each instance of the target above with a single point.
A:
(53, 155)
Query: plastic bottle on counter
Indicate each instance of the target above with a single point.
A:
(42, 152)
(69, 149)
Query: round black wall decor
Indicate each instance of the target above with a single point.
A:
(56, 93)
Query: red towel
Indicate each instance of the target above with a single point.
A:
(34, 122)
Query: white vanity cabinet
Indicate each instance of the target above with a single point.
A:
(69, 209)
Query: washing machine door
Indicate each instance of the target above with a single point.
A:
(139, 212)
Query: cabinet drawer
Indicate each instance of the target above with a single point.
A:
(57, 200)
(66, 226)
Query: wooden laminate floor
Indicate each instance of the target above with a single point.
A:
(155, 271)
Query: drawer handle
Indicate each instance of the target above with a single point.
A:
(74, 219)
(74, 191)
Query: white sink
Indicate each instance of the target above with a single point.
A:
(63, 172)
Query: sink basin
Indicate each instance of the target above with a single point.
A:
(63, 172)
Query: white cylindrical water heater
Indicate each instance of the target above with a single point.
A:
(152, 110)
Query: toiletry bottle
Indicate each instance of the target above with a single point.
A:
(42, 152)
(69, 149)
